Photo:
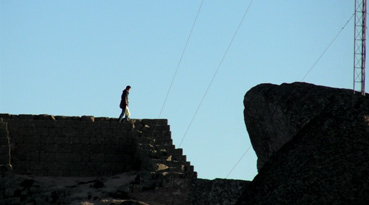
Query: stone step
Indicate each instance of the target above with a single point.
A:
(157, 135)
(171, 163)
(181, 158)
(177, 152)
(180, 174)
(155, 141)
(184, 167)
(167, 148)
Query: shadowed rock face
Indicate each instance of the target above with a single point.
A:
(275, 114)
(312, 143)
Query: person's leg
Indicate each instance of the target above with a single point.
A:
(126, 117)
(121, 115)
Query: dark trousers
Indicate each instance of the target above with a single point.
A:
(122, 114)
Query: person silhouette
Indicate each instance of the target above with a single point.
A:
(124, 103)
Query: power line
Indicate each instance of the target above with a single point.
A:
(180, 59)
(307, 73)
(238, 161)
(329, 45)
(216, 72)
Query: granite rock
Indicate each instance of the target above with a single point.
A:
(312, 143)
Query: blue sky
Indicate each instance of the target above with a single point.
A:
(75, 58)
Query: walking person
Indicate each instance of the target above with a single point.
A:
(124, 104)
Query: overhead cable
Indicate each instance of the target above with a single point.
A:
(216, 72)
(307, 73)
(180, 59)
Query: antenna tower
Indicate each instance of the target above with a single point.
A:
(360, 45)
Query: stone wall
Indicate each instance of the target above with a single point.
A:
(47, 145)
(4, 144)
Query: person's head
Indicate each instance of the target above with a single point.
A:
(128, 88)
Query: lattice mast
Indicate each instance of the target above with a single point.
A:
(360, 45)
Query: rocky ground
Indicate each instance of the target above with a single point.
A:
(118, 189)
(132, 188)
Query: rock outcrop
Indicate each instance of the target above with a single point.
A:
(312, 143)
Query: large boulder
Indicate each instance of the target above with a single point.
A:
(275, 114)
(312, 143)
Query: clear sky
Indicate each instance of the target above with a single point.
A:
(75, 57)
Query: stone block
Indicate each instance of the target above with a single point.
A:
(70, 131)
(50, 140)
(86, 173)
(97, 158)
(160, 128)
(93, 140)
(29, 138)
(62, 139)
(137, 124)
(5, 116)
(66, 173)
(177, 152)
(84, 141)
(15, 124)
(60, 117)
(20, 156)
(4, 159)
(74, 139)
(79, 148)
(88, 118)
(149, 122)
(44, 117)
(113, 149)
(47, 157)
(60, 157)
(33, 156)
(160, 167)
(85, 157)
(111, 140)
(73, 118)
(77, 166)
(62, 165)
(75, 173)
(63, 148)
(127, 126)
(28, 117)
(74, 157)
(99, 131)
(37, 166)
(44, 131)
(147, 135)
(134, 133)
(4, 149)
(21, 166)
(55, 172)
(80, 124)
(112, 158)
(96, 148)
(17, 139)
(50, 123)
(114, 124)
(36, 139)
(59, 123)
(49, 148)
(120, 133)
